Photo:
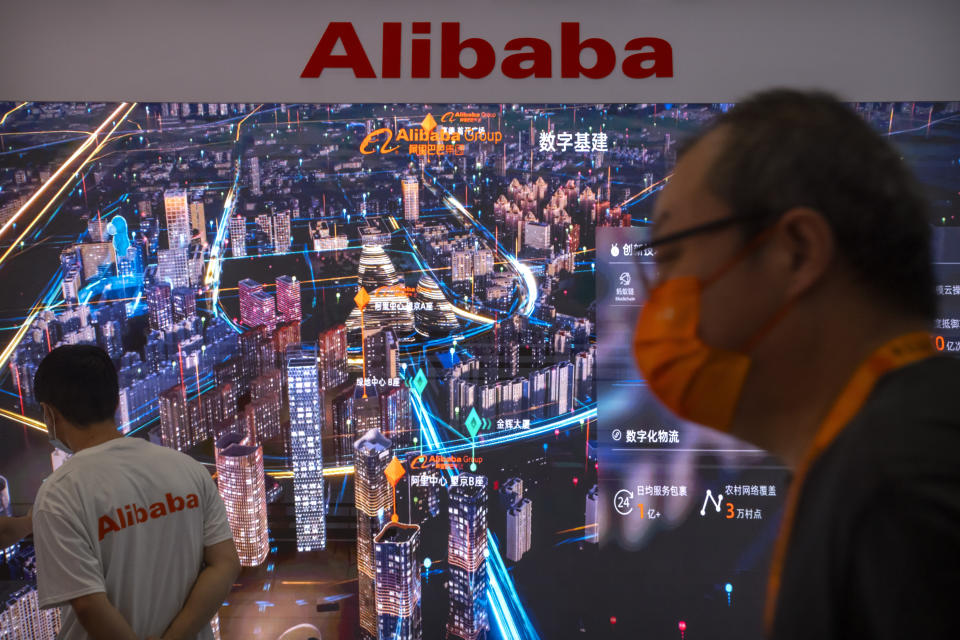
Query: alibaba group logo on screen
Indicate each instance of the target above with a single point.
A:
(133, 514)
(428, 138)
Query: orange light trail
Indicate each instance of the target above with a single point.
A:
(91, 139)
(43, 132)
(24, 420)
(18, 336)
(316, 582)
(584, 527)
(239, 124)
(666, 178)
(19, 106)
(329, 472)
(38, 307)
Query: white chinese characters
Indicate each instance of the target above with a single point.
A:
(581, 142)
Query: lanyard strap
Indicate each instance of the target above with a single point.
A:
(899, 352)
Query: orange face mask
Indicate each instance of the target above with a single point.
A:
(695, 381)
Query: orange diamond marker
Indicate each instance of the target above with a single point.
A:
(362, 298)
(429, 124)
(394, 471)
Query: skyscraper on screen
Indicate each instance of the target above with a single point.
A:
(306, 426)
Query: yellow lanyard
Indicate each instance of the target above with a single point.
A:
(896, 353)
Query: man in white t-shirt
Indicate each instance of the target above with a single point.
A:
(132, 539)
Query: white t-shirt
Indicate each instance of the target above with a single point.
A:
(131, 519)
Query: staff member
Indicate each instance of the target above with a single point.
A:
(132, 539)
(790, 307)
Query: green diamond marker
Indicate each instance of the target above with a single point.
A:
(419, 381)
(473, 423)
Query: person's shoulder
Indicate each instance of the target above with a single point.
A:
(925, 379)
(51, 495)
(922, 396)
(909, 425)
(169, 457)
(145, 447)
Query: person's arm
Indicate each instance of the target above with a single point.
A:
(100, 619)
(221, 566)
(212, 586)
(69, 573)
(15, 529)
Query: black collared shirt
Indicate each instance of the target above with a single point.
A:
(875, 546)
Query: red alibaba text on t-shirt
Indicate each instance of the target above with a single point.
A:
(133, 514)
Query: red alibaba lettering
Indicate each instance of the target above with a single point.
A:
(653, 57)
(451, 48)
(134, 514)
(539, 55)
(653, 50)
(354, 57)
(571, 48)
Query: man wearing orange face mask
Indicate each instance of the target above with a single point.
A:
(790, 306)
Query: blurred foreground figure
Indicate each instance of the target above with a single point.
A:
(790, 306)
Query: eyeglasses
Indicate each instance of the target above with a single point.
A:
(647, 265)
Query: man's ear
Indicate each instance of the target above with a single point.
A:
(809, 247)
(50, 412)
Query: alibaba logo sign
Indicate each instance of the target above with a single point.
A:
(426, 132)
(373, 136)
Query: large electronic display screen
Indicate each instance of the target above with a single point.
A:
(400, 337)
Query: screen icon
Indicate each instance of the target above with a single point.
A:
(623, 502)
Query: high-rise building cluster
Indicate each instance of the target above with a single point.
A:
(20, 615)
(544, 393)
(183, 110)
(180, 350)
(387, 548)
(425, 271)
(542, 227)
(379, 400)
(275, 231)
(523, 371)
(389, 305)
(257, 307)
(433, 314)
(260, 308)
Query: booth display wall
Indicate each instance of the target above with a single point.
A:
(198, 242)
